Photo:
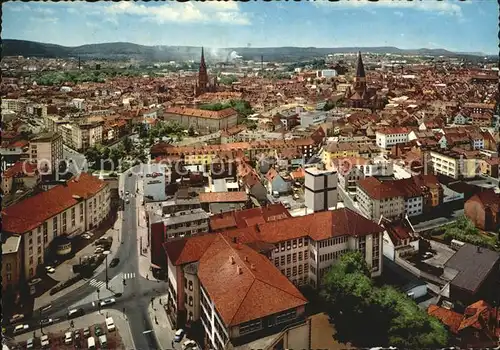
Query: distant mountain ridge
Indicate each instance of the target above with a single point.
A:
(124, 50)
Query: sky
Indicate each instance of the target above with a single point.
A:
(460, 26)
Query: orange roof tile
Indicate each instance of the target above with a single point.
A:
(33, 211)
(21, 169)
(223, 197)
(450, 318)
(257, 288)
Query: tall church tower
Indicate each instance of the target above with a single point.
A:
(360, 79)
(202, 74)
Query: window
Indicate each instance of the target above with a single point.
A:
(300, 269)
(54, 226)
(39, 250)
(30, 250)
(282, 246)
(294, 270)
(300, 256)
(81, 212)
(289, 258)
(294, 257)
(190, 301)
(190, 285)
(294, 243)
(9, 277)
(288, 272)
(306, 242)
(64, 222)
(185, 281)
(31, 260)
(73, 220)
(277, 261)
(8, 266)
(306, 255)
(288, 245)
(282, 260)
(300, 242)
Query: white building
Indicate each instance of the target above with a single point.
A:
(389, 137)
(78, 103)
(321, 191)
(155, 179)
(47, 151)
(327, 73)
(70, 209)
(312, 118)
(378, 199)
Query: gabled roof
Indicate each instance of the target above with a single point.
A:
(223, 197)
(32, 212)
(488, 199)
(378, 190)
(243, 284)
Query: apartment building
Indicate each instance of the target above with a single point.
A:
(70, 209)
(82, 136)
(182, 223)
(376, 198)
(200, 272)
(351, 170)
(454, 165)
(335, 150)
(46, 150)
(202, 120)
(388, 137)
(16, 105)
(11, 263)
(248, 260)
(321, 191)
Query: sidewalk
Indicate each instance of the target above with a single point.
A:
(88, 320)
(161, 324)
(64, 271)
(142, 233)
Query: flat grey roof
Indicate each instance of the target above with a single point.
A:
(11, 245)
(473, 266)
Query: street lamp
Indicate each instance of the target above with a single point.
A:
(106, 253)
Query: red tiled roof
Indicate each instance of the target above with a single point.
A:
(32, 212)
(319, 226)
(244, 218)
(378, 190)
(223, 197)
(21, 169)
(187, 250)
(387, 131)
(450, 318)
(488, 199)
(201, 113)
(257, 288)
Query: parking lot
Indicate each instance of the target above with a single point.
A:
(442, 253)
(292, 201)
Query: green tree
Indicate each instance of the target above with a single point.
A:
(355, 303)
(127, 144)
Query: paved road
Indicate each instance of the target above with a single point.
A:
(137, 292)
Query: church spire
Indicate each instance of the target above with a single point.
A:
(202, 60)
(360, 69)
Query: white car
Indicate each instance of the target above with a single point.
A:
(189, 344)
(68, 338)
(16, 317)
(86, 236)
(50, 269)
(179, 334)
(21, 328)
(98, 250)
(107, 302)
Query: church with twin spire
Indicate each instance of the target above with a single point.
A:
(203, 85)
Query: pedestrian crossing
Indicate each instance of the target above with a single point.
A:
(96, 283)
(128, 275)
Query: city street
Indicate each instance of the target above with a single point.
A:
(133, 298)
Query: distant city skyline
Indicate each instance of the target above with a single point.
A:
(452, 25)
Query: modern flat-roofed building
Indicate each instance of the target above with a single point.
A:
(47, 151)
(321, 190)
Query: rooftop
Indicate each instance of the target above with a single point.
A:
(11, 245)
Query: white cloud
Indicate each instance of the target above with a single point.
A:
(441, 7)
(222, 12)
(399, 13)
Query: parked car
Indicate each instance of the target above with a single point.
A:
(110, 324)
(86, 236)
(86, 332)
(179, 334)
(76, 334)
(76, 313)
(44, 341)
(129, 174)
(107, 302)
(16, 318)
(30, 343)
(21, 328)
(189, 344)
(127, 193)
(50, 269)
(97, 330)
(68, 338)
(46, 322)
(114, 262)
(127, 201)
(98, 250)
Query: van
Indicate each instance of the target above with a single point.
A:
(44, 341)
(91, 343)
(103, 341)
(456, 244)
(110, 324)
(68, 338)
